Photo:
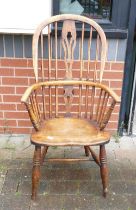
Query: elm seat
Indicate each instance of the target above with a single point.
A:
(69, 132)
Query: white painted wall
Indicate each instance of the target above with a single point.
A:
(22, 16)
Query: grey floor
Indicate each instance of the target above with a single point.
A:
(67, 186)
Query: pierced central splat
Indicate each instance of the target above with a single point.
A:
(69, 43)
(68, 98)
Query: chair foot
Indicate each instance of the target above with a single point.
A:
(86, 151)
(104, 170)
(33, 197)
(105, 192)
(36, 171)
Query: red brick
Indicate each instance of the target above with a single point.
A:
(1, 98)
(76, 65)
(1, 130)
(8, 123)
(7, 71)
(11, 98)
(112, 125)
(112, 75)
(20, 90)
(14, 81)
(7, 107)
(116, 109)
(7, 90)
(45, 62)
(107, 66)
(114, 117)
(106, 82)
(116, 84)
(91, 65)
(118, 92)
(1, 114)
(75, 74)
(31, 81)
(61, 64)
(29, 63)
(21, 107)
(61, 73)
(18, 130)
(117, 66)
(14, 62)
(24, 123)
(24, 72)
(16, 115)
(53, 64)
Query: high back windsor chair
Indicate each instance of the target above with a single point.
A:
(68, 104)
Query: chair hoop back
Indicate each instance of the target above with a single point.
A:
(59, 39)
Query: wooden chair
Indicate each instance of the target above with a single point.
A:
(68, 105)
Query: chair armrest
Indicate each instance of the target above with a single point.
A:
(29, 98)
(111, 93)
(70, 82)
(27, 94)
(114, 98)
(103, 112)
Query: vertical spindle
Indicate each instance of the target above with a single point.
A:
(96, 58)
(43, 76)
(37, 105)
(98, 104)
(89, 53)
(92, 102)
(49, 69)
(49, 52)
(50, 102)
(80, 101)
(42, 65)
(104, 107)
(86, 101)
(81, 51)
(56, 68)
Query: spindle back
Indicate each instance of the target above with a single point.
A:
(61, 50)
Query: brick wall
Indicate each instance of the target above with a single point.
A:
(17, 74)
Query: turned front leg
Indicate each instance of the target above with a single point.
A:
(36, 171)
(104, 169)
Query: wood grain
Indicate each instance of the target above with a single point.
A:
(68, 132)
